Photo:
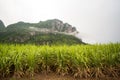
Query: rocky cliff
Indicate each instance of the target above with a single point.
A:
(58, 25)
(44, 32)
(53, 25)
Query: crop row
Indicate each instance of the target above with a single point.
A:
(78, 60)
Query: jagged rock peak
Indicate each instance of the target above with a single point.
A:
(58, 25)
(53, 25)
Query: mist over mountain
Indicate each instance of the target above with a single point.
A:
(52, 31)
(53, 25)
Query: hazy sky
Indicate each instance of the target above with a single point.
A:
(96, 20)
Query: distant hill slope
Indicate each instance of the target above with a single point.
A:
(51, 25)
(45, 32)
(2, 26)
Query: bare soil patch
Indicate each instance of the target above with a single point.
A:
(53, 76)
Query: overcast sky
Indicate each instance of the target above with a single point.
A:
(96, 20)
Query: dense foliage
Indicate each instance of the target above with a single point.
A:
(53, 24)
(39, 38)
(2, 26)
(77, 60)
(50, 32)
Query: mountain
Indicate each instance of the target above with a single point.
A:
(50, 32)
(2, 26)
(53, 25)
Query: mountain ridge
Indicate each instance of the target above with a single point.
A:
(2, 26)
(52, 31)
(53, 25)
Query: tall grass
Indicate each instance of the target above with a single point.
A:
(78, 60)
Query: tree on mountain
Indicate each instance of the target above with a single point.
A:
(2, 26)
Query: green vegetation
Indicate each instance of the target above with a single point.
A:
(2, 26)
(54, 39)
(19, 27)
(47, 46)
(50, 32)
(53, 24)
(39, 38)
(84, 61)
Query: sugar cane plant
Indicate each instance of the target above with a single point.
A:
(84, 61)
